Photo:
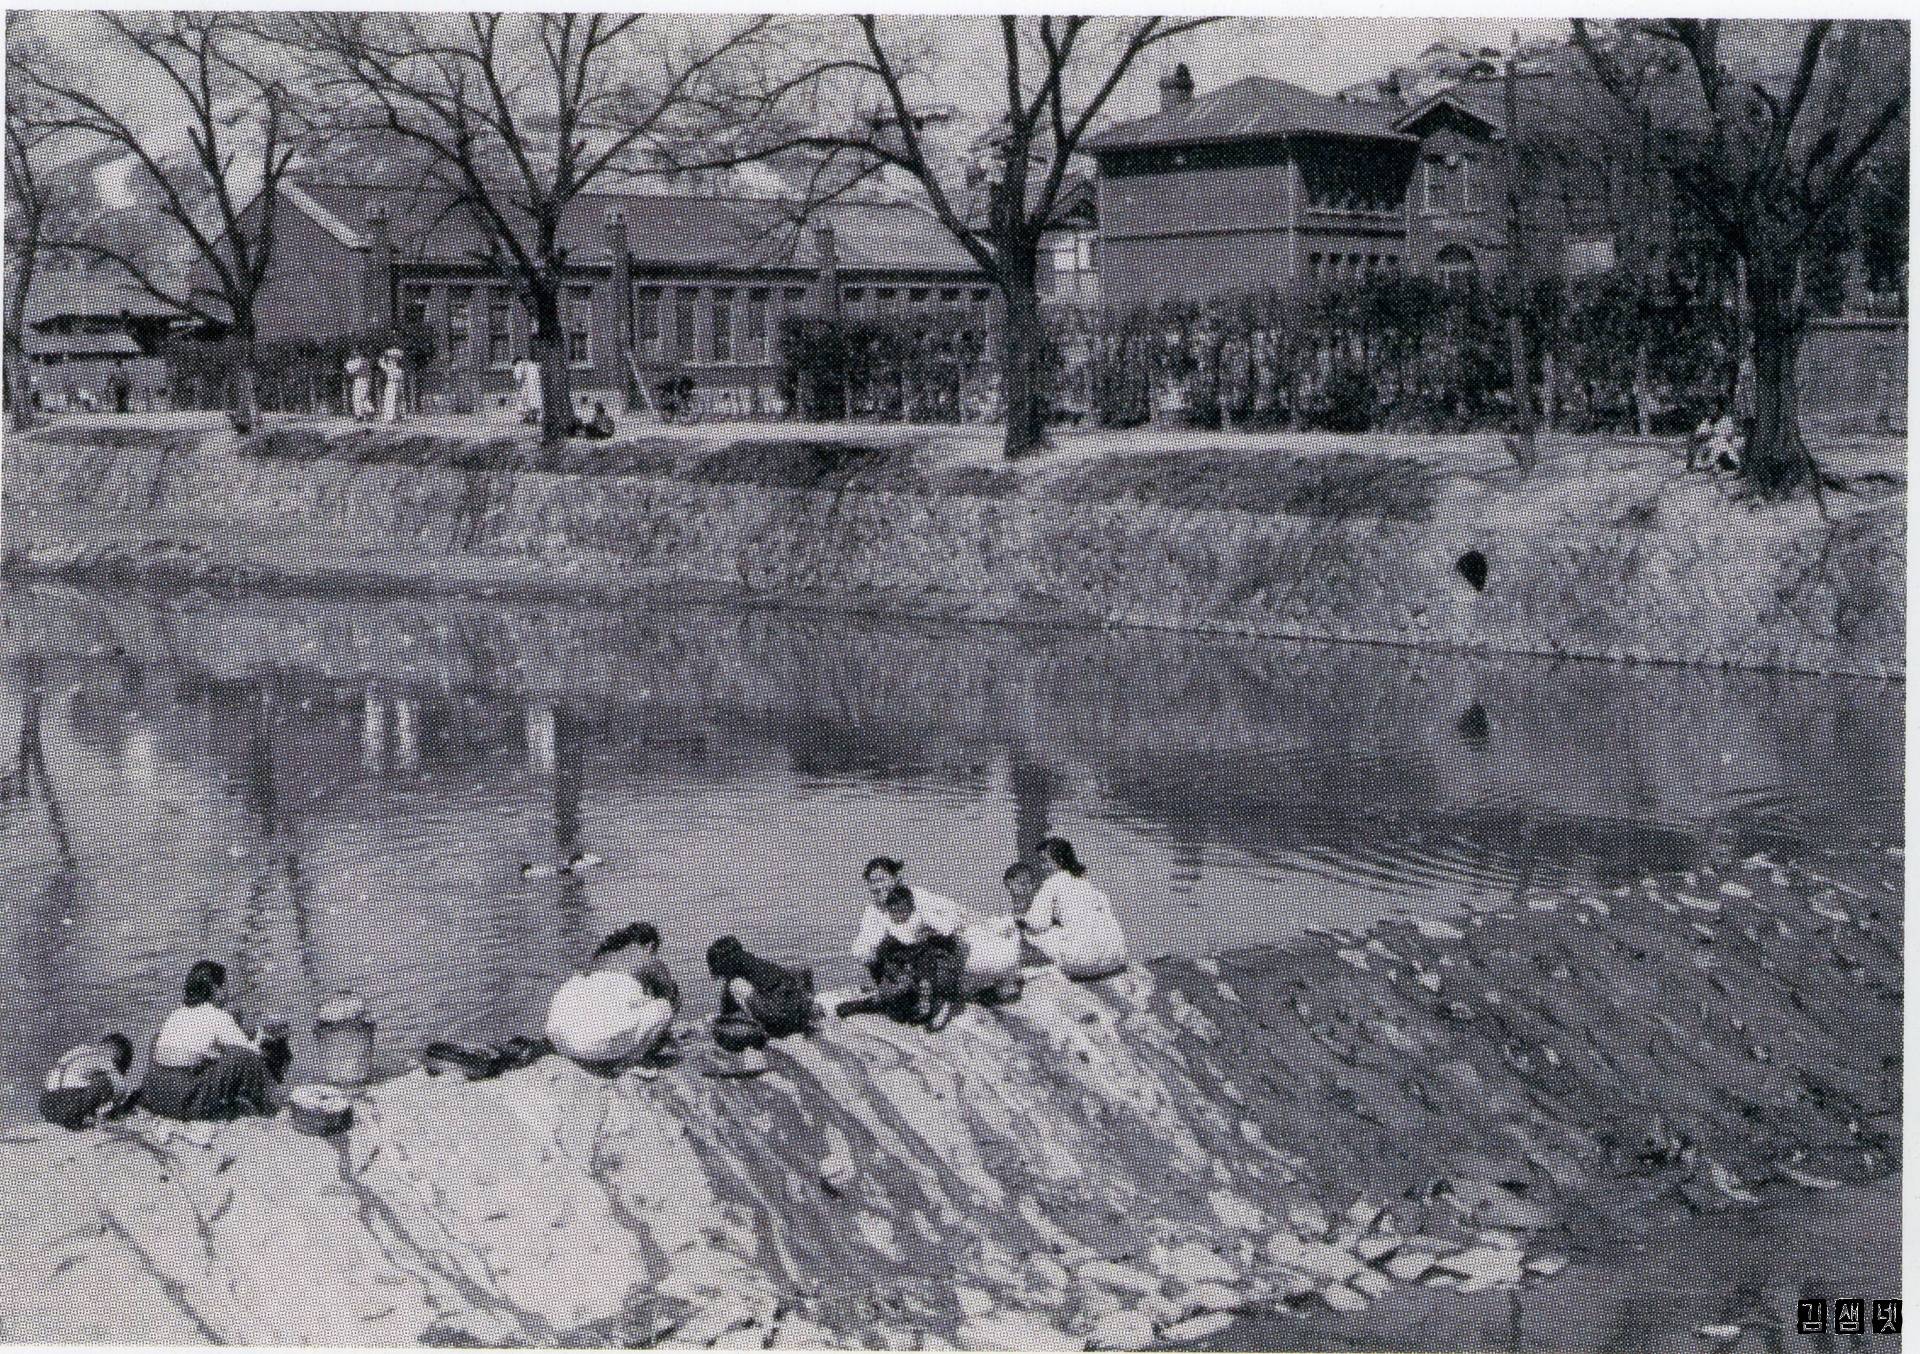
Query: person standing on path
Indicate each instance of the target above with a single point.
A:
(360, 373)
(392, 374)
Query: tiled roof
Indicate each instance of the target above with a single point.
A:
(1254, 108)
(96, 292)
(661, 229)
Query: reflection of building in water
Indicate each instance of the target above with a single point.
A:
(373, 733)
(1033, 787)
(406, 734)
(540, 738)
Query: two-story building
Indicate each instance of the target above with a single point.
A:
(657, 285)
(1262, 184)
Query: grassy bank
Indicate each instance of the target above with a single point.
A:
(1609, 549)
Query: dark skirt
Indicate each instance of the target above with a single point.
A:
(230, 1086)
(73, 1106)
(782, 1008)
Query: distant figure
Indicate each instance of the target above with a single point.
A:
(597, 429)
(204, 1065)
(360, 372)
(392, 373)
(779, 1000)
(616, 1010)
(88, 1081)
(1716, 444)
(908, 939)
(1070, 921)
(119, 388)
(526, 385)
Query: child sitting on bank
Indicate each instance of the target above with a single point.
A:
(88, 1083)
(776, 999)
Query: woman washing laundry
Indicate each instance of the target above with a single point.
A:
(619, 1008)
(88, 1083)
(204, 1064)
(1070, 921)
(909, 941)
(759, 999)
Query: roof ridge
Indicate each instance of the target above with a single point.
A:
(306, 184)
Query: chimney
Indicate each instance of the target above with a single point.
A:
(616, 224)
(829, 263)
(1176, 90)
(378, 301)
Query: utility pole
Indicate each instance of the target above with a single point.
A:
(1517, 272)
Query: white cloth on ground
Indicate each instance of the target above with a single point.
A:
(605, 1016)
(1072, 923)
(932, 915)
(192, 1035)
(992, 948)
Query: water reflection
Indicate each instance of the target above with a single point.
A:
(376, 795)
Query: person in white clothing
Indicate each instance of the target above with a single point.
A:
(1070, 921)
(909, 941)
(87, 1081)
(392, 374)
(360, 372)
(619, 1008)
(204, 1065)
(526, 385)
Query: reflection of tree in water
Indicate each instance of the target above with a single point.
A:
(1034, 787)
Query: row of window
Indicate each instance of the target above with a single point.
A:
(1450, 183)
(486, 326)
(482, 322)
(1349, 267)
(886, 299)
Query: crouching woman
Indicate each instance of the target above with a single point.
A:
(778, 1000)
(619, 1008)
(204, 1065)
(1070, 921)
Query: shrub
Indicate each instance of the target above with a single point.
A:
(1348, 402)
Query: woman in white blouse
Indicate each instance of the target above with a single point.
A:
(1070, 921)
(204, 1066)
(909, 941)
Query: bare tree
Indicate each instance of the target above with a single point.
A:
(32, 176)
(1764, 128)
(198, 103)
(1054, 77)
(514, 116)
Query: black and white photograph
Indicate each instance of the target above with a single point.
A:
(953, 681)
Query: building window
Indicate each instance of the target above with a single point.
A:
(918, 295)
(796, 297)
(949, 296)
(579, 326)
(883, 299)
(646, 321)
(1455, 266)
(723, 324)
(1448, 184)
(684, 301)
(499, 334)
(854, 295)
(982, 295)
(753, 339)
(459, 326)
(414, 300)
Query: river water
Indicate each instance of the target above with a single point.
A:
(335, 793)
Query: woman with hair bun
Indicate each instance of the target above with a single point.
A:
(1070, 921)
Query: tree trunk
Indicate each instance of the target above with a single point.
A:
(246, 378)
(1777, 458)
(549, 348)
(1023, 357)
(1642, 390)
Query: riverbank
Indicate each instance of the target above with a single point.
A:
(1426, 1134)
(1608, 550)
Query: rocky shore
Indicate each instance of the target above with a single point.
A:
(1517, 1129)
